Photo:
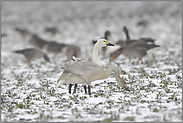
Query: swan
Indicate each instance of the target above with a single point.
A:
(81, 71)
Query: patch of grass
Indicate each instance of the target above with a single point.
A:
(107, 120)
(129, 118)
(155, 110)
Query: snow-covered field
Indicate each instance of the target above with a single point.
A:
(28, 91)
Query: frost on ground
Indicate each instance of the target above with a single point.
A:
(28, 90)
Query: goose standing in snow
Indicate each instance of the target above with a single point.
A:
(79, 72)
(33, 54)
(135, 48)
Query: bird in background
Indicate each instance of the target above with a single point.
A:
(135, 48)
(32, 54)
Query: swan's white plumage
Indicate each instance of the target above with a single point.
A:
(60, 73)
(79, 72)
(112, 49)
(95, 57)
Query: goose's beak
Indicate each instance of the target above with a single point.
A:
(113, 57)
(126, 87)
(109, 44)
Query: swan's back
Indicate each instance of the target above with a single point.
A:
(86, 69)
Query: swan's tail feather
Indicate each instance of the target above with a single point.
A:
(59, 74)
(59, 83)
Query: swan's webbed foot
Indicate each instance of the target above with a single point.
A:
(85, 88)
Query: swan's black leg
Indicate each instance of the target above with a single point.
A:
(70, 85)
(75, 87)
(89, 90)
(85, 88)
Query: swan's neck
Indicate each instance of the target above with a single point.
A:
(95, 56)
(109, 70)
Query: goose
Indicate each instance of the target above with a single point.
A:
(37, 42)
(33, 54)
(128, 40)
(23, 32)
(25, 35)
(54, 47)
(72, 51)
(135, 47)
(31, 38)
(134, 50)
(81, 71)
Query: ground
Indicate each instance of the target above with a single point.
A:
(28, 91)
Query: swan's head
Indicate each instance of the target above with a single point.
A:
(121, 82)
(103, 42)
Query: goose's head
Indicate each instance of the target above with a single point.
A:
(125, 29)
(103, 42)
(107, 35)
(46, 58)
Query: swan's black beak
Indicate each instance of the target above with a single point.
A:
(126, 87)
(109, 44)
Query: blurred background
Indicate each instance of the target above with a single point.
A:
(40, 14)
(81, 22)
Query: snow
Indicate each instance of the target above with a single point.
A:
(28, 91)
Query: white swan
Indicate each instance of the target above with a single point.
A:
(79, 72)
